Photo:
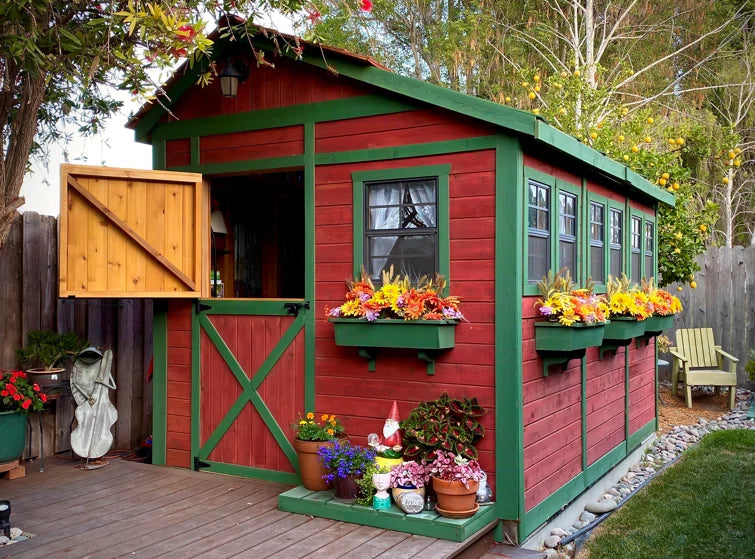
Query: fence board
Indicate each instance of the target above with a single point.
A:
(29, 300)
(725, 301)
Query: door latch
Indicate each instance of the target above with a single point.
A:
(294, 308)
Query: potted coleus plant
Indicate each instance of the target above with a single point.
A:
(408, 481)
(310, 434)
(18, 397)
(451, 424)
(455, 481)
(45, 352)
(346, 464)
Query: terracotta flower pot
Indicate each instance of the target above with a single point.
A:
(13, 438)
(454, 497)
(310, 465)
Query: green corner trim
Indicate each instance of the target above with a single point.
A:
(509, 237)
(322, 504)
(541, 512)
(359, 178)
(159, 382)
(636, 438)
(196, 384)
(602, 465)
(158, 155)
(583, 409)
(309, 264)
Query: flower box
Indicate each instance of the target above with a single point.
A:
(656, 324)
(619, 332)
(426, 336)
(559, 344)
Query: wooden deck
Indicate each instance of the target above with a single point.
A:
(129, 509)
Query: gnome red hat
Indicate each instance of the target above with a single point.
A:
(391, 433)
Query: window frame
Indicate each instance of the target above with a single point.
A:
(603, 203)
(535, 231)
(644, 220)
(639, 251)
(359, 192)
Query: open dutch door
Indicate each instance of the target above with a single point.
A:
(130, 233)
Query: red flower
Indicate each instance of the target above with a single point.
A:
(178, 53)
(11, 388)
(17, 396)
(186, 33)
(36, 387)
(26, 404)
(365, 5)
(4, 393)
(313, 15)
(43, 397)
(19, 374)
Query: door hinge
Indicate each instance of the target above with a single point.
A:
(294, 308)
(199, 306)
(199, 464)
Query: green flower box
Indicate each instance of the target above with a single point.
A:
(413, 334)
(623, 328)
(655, 325)
(552, 336)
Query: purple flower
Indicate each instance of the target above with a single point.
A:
(400, 301)
(448, 312)
(371, 315)
(364, 297)
(335, 312)
(546, 310)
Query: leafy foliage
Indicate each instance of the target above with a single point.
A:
(309, 428)
(48, 349)
(451, 424)
(18, 394)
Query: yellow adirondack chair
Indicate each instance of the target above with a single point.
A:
(699, 362)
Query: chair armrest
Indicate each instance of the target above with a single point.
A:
(724, 354)
(679, 356)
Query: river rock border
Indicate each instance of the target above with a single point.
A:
(665, 450)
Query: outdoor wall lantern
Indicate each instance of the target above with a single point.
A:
(231, 76)
(5, 518)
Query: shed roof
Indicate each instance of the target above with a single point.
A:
(367, 70)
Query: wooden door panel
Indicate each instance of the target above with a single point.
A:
(130, 233)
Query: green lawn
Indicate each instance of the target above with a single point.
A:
(702, 507)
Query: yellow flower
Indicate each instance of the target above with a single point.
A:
(332, 417)
(330, 432)
(302, 422)
(310, 415)
(324, 417)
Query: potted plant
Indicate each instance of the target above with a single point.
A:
(455, 481)
(309, 435)
(451, 424)
(408, 481)
(664, 306)
(45, 351)
(345, 464)
(368, 485)
(628, 308)
(397, 314)
(18, 398)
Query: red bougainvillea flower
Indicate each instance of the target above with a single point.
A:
(17, 396)
(43, 397)
(26, 404)
(313, 15)
(4, 393)
(36, 388)
(186, 33)
(365, 5)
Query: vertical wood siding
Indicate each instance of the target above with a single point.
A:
(343, 385)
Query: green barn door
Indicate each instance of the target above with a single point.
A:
(248, 386)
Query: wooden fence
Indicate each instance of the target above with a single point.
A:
(29, 301)
(725, 301)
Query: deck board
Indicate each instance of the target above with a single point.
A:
(128, 509)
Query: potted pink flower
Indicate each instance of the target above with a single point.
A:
(455, 481)
(408, 481)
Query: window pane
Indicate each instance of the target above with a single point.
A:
(538, 257)
(615, 262)
(567, 257)
(532, 218)
(636, 266)
(542, 196)
(648, 237)
(533, 194)
(412, 255)
(616, 227)
(649, 272)
(636, 233)
(597, 264)
(542, 220)
(384, 218)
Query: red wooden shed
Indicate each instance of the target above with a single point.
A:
(282, 192)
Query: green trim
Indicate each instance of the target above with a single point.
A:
(249, 387)
(509, 235)
(325, 111)
(196, 384)
(158, 155)
(583, 409)
(405, 151)
(260, 307)
(603, 465)
(159, 381)
(412, 334)
(626, 393)
(636, 438)
(598, 199)
(243, 166)
(195, 153)
(309, 264)
(255, 473)
(540, 513)
(442, 172)
(322, 504)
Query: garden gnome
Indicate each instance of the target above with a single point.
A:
(391, 429)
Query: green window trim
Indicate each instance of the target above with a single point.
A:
(441, 172)
(556, 186)
(645, 219)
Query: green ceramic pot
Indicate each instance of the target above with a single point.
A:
(13, 429)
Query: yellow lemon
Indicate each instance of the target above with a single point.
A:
(737, 151)
(675, 186)
(577, 73)
(693, 284)
(532, 95)
(536, 111)
(725, 180)
(593, 135)
(650, 120)
(635, 149)
(731, 154)
(564, 74)
(648, 139)
(677, 251)
(665, 175)
(679, 288)
(537, 88)
(508, 99)
(678, 235)
(624, 112)
(671, 141)
(626, 158)
(680, 141)
(562, 111)
(536, 78)
(557, 85)
(662, 182)
(703, 228)
(525, 84)
(737, 162)
(670, 189)
(621, 138)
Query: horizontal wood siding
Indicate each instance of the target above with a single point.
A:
(178, 410)
(605, 403)
(289, 83)
(641, 385)
(177, 152)
(343, 384)
(248, 441)
(414, 127)
(552, 419)
(247, 146)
